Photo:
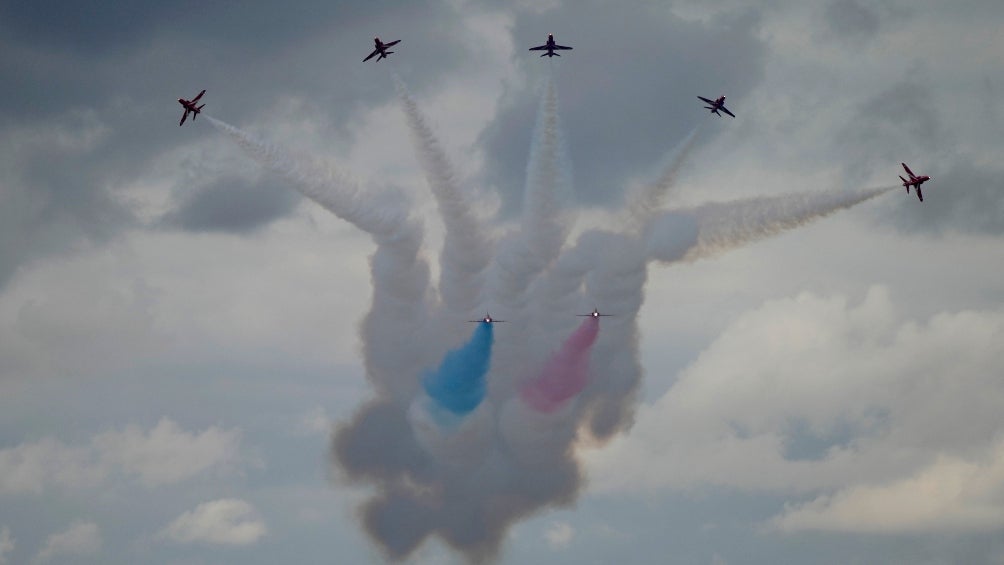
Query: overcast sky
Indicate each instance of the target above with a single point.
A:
(179, 329)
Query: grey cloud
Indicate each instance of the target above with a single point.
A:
(620, 127)
(966, 197)
(118, 69)
(898, 125)
(851, 20)
(888, 128)
(233, 204)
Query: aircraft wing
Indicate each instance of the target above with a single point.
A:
(726, 110)
(540, 48)
(199, 96)
(920, 194)
(391, 43)
(561, 47)
(371, 55)
(712, 102)
(908, 171)
(183, 116)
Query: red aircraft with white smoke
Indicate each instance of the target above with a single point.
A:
(594, 314)
(190, 107)
(550, 47)
(914, 181)
(486, 320)
(716, 105)
(381, 48)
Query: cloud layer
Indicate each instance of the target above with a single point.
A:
(888, 423)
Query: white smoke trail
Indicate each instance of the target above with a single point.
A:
(646, 202)
(724, 226)
(546, 216)
(522, 256)
(401, 295)
(559, 291)
(334, 191)
(467, 250)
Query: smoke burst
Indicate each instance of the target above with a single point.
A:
(462, 439)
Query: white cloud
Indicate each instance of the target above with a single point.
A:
(81, 539)
(166, 454)
(952, 494)
(6, 544)
(559, 535)
(815, 395)
(33, 467)
(222, 522)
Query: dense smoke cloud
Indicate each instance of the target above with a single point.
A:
(465, 436)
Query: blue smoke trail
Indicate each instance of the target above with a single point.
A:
(459, 383)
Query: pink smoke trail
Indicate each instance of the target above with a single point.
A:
(565, 373)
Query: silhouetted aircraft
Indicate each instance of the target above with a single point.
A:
(550, 47)
(381, 48)
(190, 107)
(486, 320)
(914, 181)
(716, 105)
(594, 314)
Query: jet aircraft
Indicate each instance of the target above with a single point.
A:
(914, 181)
(550, 47)
(190, 107)
(381, 48)
(594, 314)
(716, 105)
(486, 320)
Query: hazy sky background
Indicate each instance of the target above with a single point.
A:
(179, 329)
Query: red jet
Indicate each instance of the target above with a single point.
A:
(594, 314)
(550, 47)
(190, 107)
(914, 181)
(716, 105)
(381, 48)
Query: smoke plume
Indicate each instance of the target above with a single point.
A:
(463, 438)
(564, 375)
(466, 249)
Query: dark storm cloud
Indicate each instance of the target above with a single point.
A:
(622, 127)
(117, 69)
(248, 54)
(233, 204)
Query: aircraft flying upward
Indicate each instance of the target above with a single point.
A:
(716, 105)
(486, 320)
(914, 181)
(594, 314)
(381, 48)
(190, 107)
(550, 47)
